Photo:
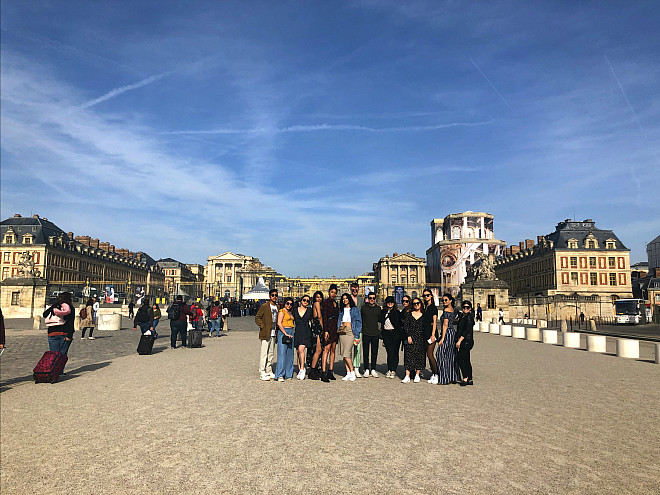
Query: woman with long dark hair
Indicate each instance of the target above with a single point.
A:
(349, 326)
(317, 335)
(413, 353)
(303, 333)
(330, 315)
(88, 320)
(390, 326)
(285, 326)
(446, 353)
(430, 332)
(465, 342)
(60, 335)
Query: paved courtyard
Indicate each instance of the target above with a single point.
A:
(540, 419)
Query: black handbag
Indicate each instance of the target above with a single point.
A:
(286, 340)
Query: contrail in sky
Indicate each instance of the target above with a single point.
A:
(122, 89)
(334, 127)
(488, 81)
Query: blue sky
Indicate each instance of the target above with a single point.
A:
(320, 136)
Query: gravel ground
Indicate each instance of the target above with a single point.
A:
(540, 419)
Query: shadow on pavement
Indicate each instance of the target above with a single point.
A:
(8, 384)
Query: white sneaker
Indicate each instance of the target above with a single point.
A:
(82, 338)
(374, 374)
(416, 380)
(91, 338)
(406, 379)
(264, 377)
(272, 375)
(392, 374)
(302, 374)
(357, 373)
(347, 377)
(365, 374)
(387, 375)
(280, 379)
(435, 380)
(352, 376)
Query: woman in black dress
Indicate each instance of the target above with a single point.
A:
(330, 310)
(430, 332)
(314, 352)
(448, 369)
(413, 355)
(302, 336)
(465, 342)
(390, 326)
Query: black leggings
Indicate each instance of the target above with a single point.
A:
(463, 358)
(391, 342)
(91, 330)
(369, 341)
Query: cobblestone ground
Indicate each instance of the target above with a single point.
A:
(539, 419)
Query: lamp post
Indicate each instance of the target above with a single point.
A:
(529, 311)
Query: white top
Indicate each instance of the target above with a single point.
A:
(346, 317)
(273, 310)
(388, 324)
(96, 306)
(225, 311)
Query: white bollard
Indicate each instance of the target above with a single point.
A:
(596, 343)
(485, 326)
(543, 323)
(493, 319)
(572, 340)
(657, 353)
(505, 330)
(533, 334)
(533, 322)
(627, 348)
(494, 328)
(563, 326)
(549, 336)
(109, 321)
(518, 332)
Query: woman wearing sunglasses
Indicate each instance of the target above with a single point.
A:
(302, 334)
(317, 336)
(284, 368)
(430, 332)
(447, 366)
(390, 325)
(465, 342)
(349, 326)
(413, 354)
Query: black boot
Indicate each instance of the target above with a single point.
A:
(324, 377)
(331, 375)
(314, 374)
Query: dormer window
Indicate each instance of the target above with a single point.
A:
(9, 238)
(28, 239)
(610, 244)
(591, 242)
(572, 244)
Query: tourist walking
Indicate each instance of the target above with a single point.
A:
(266, 320)
(214, 319)
(349, 326)
(370, 314)
(87, 319)
(413, 353)
(96, 307)
(330, 310)
(285, 326)
(465, 342)
(317, 336)
(302, 316)
(501, 315)
(430, 332)
(131, 306)
(60, 331)
(479, 312)
(225, 314)
(177, 313)
(390, 321)
(446, 353)
(157, 317)
(144, 318)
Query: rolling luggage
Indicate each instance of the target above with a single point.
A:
(50, 367)
(146, 344)
(195, 338)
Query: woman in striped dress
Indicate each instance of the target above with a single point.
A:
(446, 353)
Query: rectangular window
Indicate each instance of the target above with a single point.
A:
(394, 280)
(601, 262)
(491, 301)
(574, 277)
(592, 262)
(612, 278)
(403, 280)
(412, 280)
(622, 263)
(573, 261)
(5, 256)
(564, 262)
(603, 279)
(593, 279)
(622, 279)
(564, 278)
(228, 278)
(15, 298)
(5, 272)
(611, 262)
(583, 278)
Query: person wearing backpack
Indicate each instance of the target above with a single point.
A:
(177, 313)
(87, 319)
(144, 318)
(214, 319)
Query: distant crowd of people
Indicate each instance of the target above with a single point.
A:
(318, 327)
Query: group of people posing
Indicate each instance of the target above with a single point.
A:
(316, 326)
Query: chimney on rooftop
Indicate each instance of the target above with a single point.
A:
(17, 215)
(33, 216)
(105, 246)
(112, 248)
(83, 239)
(529, 243)
(70, 234)
(94, 243)
(515, 249)
(539, 239)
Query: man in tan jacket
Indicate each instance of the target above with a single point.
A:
(266, 319)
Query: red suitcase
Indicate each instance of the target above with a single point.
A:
(49, 367)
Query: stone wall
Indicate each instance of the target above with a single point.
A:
(22, 297)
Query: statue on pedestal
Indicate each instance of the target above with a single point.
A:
(27, 264)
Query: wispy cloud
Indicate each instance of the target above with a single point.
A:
(334, 127)
(489, 83)
(122, 89)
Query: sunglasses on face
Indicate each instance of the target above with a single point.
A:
(305, 300)
(405, 301)
(467, 307)
(372, 298)
(416, 303)
(288, 303)
(427, 295)
(273, 295)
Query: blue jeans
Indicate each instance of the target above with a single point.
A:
(215, 326)
(58, 343)
(284, 356)
(144, 327)
(155, 323)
